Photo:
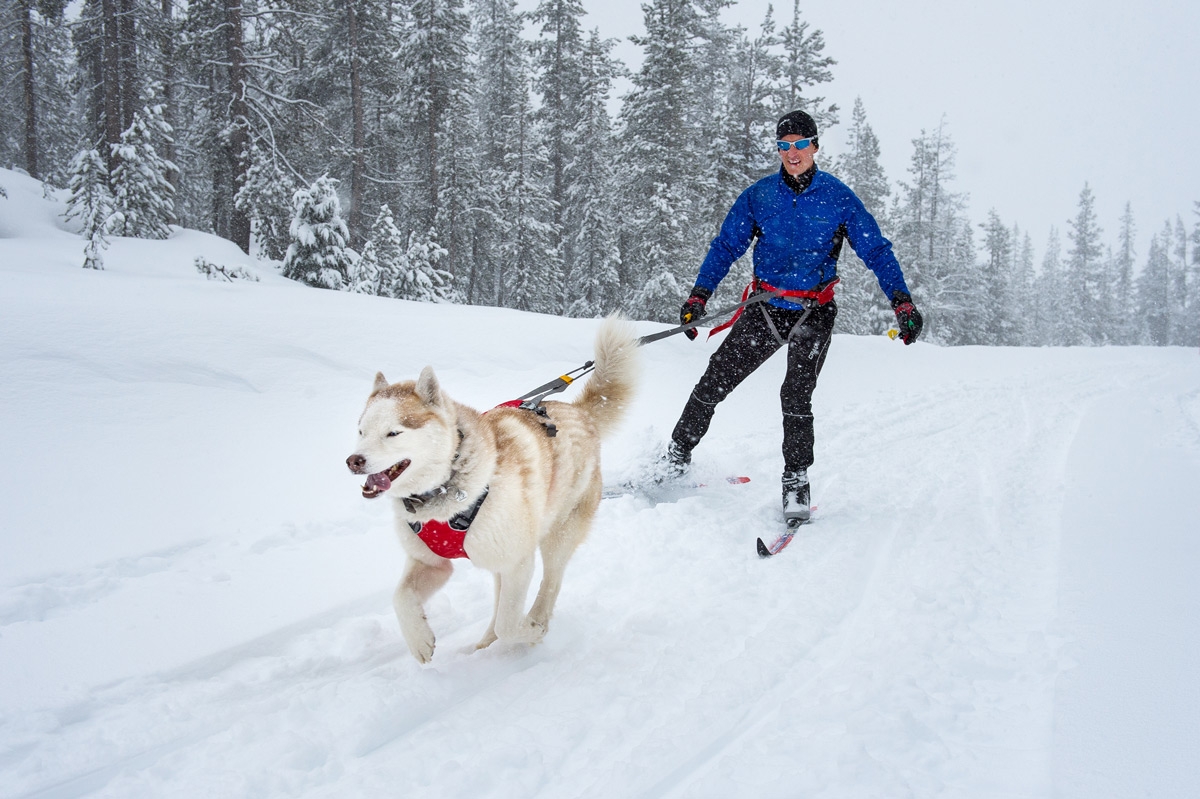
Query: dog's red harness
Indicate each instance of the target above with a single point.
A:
(445, 538)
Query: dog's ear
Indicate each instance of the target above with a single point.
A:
(380, 383)
(428, 388)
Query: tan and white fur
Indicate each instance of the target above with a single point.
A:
(542, 491)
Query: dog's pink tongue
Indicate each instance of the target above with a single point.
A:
(379, 482)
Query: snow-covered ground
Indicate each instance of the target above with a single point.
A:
(997, 598)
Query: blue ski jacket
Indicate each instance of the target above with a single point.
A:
(799, 237)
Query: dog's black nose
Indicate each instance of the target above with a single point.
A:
(357, 464)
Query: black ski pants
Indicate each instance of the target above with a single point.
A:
(756, 336)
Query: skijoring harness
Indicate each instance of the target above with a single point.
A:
(822, 295)
(446, 539)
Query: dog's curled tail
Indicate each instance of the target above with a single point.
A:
(611, 386)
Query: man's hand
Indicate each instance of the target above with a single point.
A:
(907, 317)
(693, 309)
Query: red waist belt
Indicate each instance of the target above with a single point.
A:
(822, 295)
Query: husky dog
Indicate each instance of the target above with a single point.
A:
(514, 480)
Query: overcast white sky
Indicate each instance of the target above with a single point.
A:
(1039, 96)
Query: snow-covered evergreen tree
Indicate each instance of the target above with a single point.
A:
(266, 198)
(318, 254)
(419, 276)
(142, 192)
(37, 97)
(433, 56)
(660, 250)
(862, 308)
(1153, 292)
(1124, 323)
(388, 250)
(996, 311)
(1020, 291)
(592, 283)
(930, 235)
(1090, 300)
(805, 67)
(523, 261)
(559, 80)
(1178, 283)
(1052, 315)
(91, 203)
(365, 271)
(1192, 310)
(732, 80)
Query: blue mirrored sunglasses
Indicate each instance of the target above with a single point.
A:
(784, 146)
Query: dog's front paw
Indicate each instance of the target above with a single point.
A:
(421, 647)
(537, 630)
(487, 640)
(417, 632)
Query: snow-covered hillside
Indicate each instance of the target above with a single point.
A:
(997, 598)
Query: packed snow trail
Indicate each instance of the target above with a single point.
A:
(196, 601)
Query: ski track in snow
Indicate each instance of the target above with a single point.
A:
(944, 644)
(205, 611)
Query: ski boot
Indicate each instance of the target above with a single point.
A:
(796, 500)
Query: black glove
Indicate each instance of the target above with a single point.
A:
(693, 309)
(907, 317)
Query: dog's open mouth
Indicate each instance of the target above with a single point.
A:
(381, 481)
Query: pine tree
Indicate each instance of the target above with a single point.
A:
(265, 197)
(1124, 323)
(862, 307)
(420, 278)
(91, 203)
(1153, 293)
(1192, 310)
(388, 247)
(36, 95)
(366, 271)
(930, 236)
(996, 309)
(1085, 275)
(352, 74)
(659, 248)
(732, 73)
(1052, 313)
(592, 276)
(805, 66)
(142, 193)
(318, 253)
(559, 80)
(1179, 299)
(433, 56)
(1021, 293)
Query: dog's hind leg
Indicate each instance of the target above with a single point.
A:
(511, 623)
(421, 580)
(489, 637)
(557, 549)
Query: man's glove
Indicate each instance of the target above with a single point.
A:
(693, 309)
(907, 317)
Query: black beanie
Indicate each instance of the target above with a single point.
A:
(798, 123)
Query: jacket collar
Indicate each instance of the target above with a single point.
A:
(801, 182)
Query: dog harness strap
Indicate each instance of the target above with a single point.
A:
(445, 538)
(822, 295)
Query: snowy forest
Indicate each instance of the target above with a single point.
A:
(468, 152)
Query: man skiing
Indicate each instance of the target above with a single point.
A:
(797, 219)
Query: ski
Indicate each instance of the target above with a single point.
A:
(766, 550)
(629, 489)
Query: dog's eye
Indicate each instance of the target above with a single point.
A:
(394, 433)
